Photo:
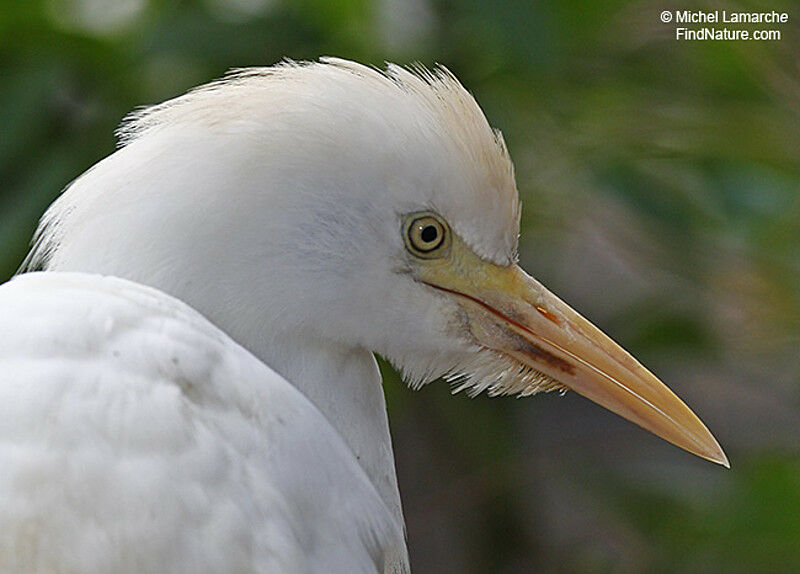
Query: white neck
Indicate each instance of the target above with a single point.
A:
(345, 384)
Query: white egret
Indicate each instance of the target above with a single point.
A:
(214, 405)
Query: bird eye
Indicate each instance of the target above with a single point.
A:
(426, 235)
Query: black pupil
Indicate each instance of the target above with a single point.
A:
(429, 234)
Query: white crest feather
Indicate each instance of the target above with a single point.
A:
(423, 103)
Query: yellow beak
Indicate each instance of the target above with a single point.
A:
(513, 314)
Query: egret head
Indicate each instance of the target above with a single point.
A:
(366, 209)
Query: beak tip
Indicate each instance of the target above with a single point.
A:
(722, 459)
(715, 454)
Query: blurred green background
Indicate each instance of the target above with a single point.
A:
(661, 189)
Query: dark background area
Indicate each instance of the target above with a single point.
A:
(661, 190)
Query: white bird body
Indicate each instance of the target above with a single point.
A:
(136, 437)
(314, 214)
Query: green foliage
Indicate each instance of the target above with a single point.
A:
(744, 524)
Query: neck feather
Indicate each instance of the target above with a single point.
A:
(345, 384)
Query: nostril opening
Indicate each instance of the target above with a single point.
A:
(547, 314)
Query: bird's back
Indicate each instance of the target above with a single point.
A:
(137, 437)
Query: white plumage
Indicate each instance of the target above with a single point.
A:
(137, 437)
(313, 214)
